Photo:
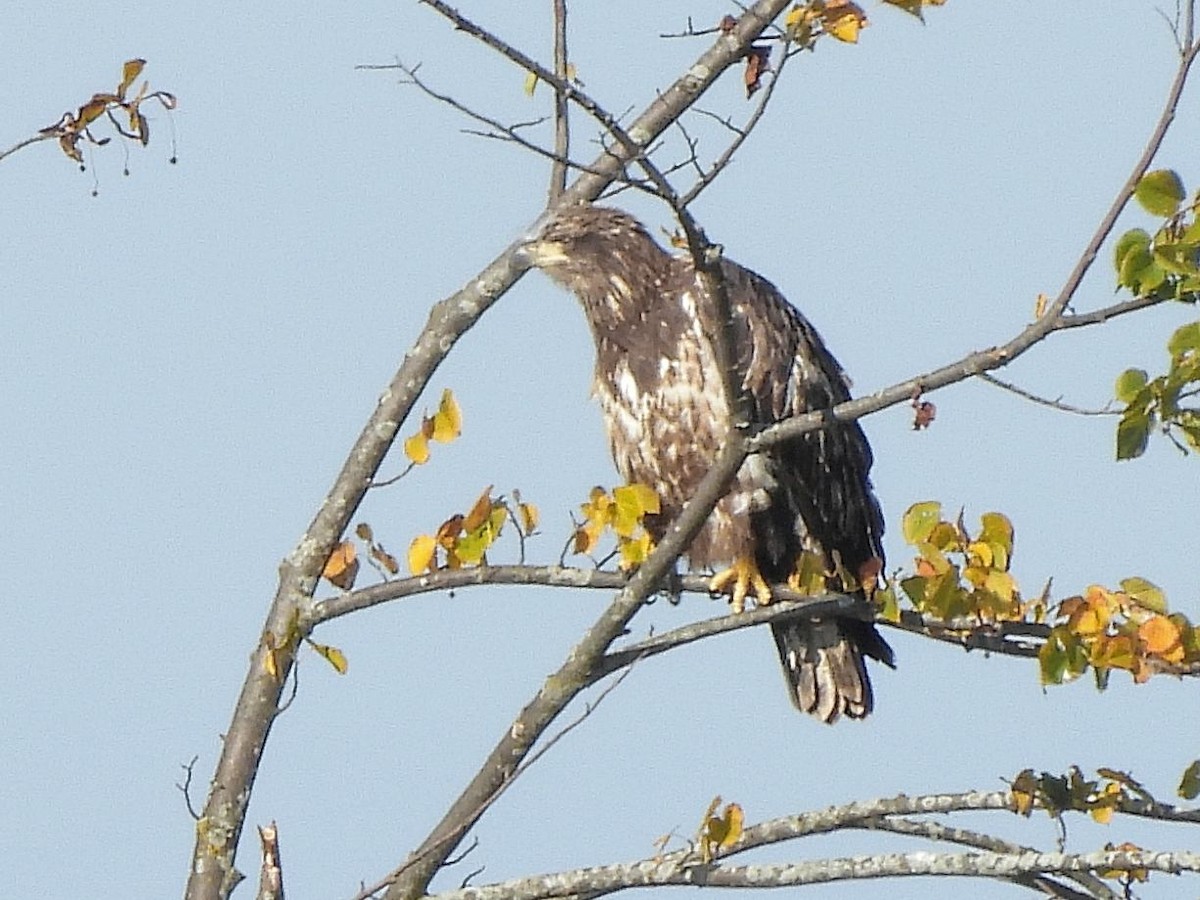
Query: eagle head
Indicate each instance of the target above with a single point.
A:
(602, 255)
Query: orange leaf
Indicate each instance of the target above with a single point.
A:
(342, 566)
(480, 511)
(1162, 638)
(449, 531)
(758, 63)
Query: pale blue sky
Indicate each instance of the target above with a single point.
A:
(186, 358)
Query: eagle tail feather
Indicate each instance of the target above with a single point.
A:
(824, 664)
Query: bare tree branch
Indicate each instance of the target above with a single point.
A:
(1000, 859)
(270, 879)
(562, 131)
(937, 831)
(980, 864)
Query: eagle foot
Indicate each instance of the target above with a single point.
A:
(744, 576)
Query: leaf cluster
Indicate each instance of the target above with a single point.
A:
(1099, 797)
(1162, 401)
(622, 512)
(1128, 629)
(73, 127)
(463, 540)
(959, 574)
(444, 426)
(840, 19)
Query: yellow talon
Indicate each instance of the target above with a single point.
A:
(745, 575)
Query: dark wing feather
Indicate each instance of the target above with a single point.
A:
(822, 500)
(823, 476)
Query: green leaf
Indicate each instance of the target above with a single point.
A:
(1134, 268)
(1160, 192)
(1130, 383)
(998, 532)
(1134, 239)
(920, 520)
(1146, 593)
(1176, 258)
(1189, 784)
(1133, 433)
(1185, 338)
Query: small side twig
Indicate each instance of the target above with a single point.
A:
(185, 788)
(1045, 401)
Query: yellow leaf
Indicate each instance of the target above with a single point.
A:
(982, 552)
(470, 549)
(1113, 653)
(495, 522)
(632, 502)
(1023, 791)
(416, 448)
(734, 818)
(721, 831)
(529, 517)
(647, 498)
(634, 551)
(333, 656)
(1001, 584)
(342, 566)
(133, 68)
(1102, 814)
(422, 554)
(447, 421)
(531, 81)
(844, 20)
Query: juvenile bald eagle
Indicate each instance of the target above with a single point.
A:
(666, 415)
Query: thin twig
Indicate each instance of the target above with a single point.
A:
(35, 139)
(186, 787)
(741, 135)
(1045, 401)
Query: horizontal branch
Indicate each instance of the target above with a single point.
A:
(937, 831)
(980, 864)
(1009, 638)
(683, 867)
